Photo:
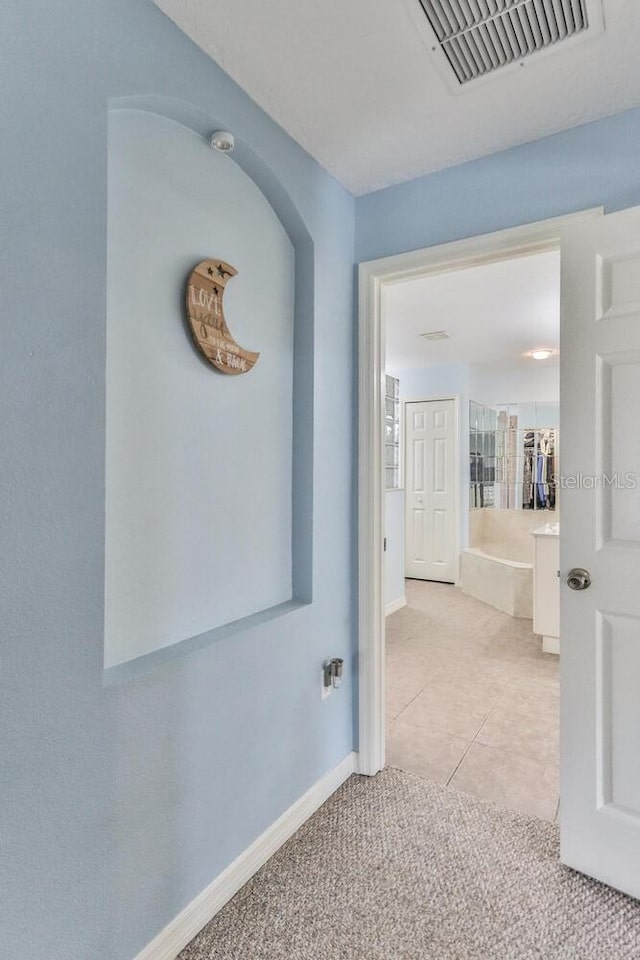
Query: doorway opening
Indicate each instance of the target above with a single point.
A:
(599, 556)
(471, 511)
(374, 278)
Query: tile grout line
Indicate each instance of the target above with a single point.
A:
(507, 750)
(475, 737)
(459, 764)
(422, 690)
(477, 733)
(407, 705)
(515, 675)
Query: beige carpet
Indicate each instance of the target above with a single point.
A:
(398, 868)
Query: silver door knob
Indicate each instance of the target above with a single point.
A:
(578, 578)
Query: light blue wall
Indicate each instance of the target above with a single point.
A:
(592, 165)
(120, 804)
(184, 509)
(529, 381)
(436, 380)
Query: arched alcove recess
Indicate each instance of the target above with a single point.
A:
(198, 475)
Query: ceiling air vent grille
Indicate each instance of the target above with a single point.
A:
(479, 36)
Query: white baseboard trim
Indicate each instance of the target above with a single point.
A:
(177, 934)
(395, 605)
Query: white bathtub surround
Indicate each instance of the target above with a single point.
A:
(546, 586)
(505, 584)
(506, 533)
(498, 566)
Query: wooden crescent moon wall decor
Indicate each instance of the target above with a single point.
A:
(205, 290)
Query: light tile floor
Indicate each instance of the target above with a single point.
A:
(471, 699)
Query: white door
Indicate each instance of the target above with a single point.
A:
(431, 490)
(600, 531)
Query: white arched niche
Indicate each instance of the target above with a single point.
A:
(198, 464)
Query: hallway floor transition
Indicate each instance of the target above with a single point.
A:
(471, 699)
(394, 867)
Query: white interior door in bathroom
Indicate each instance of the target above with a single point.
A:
(600, 532)
(431, 535)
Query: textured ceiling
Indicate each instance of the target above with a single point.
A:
(356, 84)
(495, 313)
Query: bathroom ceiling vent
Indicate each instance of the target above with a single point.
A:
(436, 335)
(480, 36)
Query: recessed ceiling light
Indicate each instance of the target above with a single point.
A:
(542, 354)
(436, 335)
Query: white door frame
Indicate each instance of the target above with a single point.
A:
(457, 402)
(373, 276)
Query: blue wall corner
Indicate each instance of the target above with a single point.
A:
(592, 165)
(122, 802)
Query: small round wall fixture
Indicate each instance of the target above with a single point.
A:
(223, 141)
(542, 353)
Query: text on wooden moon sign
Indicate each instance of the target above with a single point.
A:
(205, 313)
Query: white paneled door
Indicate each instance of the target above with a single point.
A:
(600, 541)
(431, 490)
